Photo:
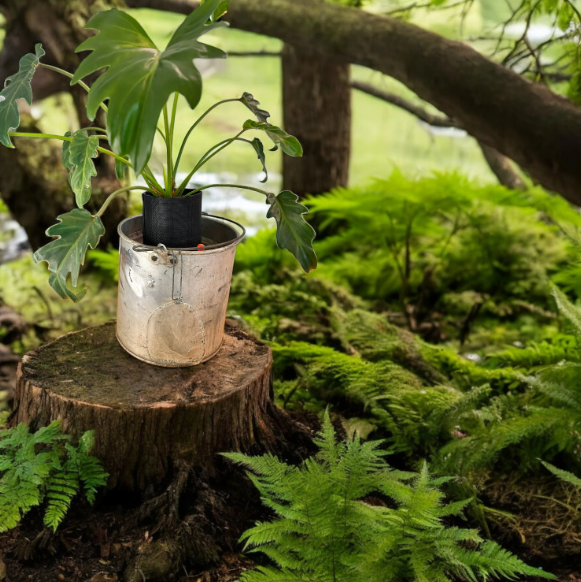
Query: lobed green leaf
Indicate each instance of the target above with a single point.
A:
(80, 165)
(140, 78)
(293, 233)
(17, 87)
(259, 149)
(252, 104)
(219, 12)
(76, 231)
(289, 144)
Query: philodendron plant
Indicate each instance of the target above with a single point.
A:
(141, 84)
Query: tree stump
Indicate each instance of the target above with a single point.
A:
(147, 420)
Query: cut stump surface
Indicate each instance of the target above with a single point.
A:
(147, 419)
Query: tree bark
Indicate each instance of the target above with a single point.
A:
(502, 168)
(500, 165)
(317, 111)
(148, 420)
(526, 122)
(36, 189)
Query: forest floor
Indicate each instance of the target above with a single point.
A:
(112, 543)
(441, 378)
(158, 539)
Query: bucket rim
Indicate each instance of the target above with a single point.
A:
(216, 248)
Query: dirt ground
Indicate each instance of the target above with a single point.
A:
(159, 538)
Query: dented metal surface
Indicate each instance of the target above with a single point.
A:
(172, 303)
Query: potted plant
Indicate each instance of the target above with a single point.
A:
(139, 86)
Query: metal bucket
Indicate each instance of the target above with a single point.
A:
(172, 302)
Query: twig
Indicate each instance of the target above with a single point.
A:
(417, 110)
(254, 53)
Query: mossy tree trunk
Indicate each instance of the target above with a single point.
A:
(317, 110)
(36, 189)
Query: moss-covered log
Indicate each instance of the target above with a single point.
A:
(148, 420)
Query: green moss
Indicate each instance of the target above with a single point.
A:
(444, 246)
(394, 398)
(24, 286)
(375, 339)
(289, 307)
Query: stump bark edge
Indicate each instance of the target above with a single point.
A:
(148, 419)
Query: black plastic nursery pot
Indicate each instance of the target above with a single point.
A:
(173, 222)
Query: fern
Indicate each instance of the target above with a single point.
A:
(327, 529)
(563, 475)
(571, 312)
(443, 237)
(44, 468)
(105, 261)
(61, 487)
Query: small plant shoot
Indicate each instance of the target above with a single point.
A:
(141, 84)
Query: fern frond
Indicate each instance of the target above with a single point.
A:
(60, 490)
(493, 560)
(563, 475)
(571, 312)
(44, 467)
(325, 531)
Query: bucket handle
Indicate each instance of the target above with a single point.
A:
(145, 248)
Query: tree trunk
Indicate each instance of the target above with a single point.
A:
(36, 189)
(524, 121)
(317, 111)
(148, 420)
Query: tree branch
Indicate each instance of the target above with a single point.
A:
(526, 122)
(254, 54)
(502, 168)
(417, 110)
(500, 165)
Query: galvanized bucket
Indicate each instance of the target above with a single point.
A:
(172, 302)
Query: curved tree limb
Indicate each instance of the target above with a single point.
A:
(500, 165)
(502, 168)
(417, 110)
(526, 122)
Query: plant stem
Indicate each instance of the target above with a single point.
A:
(65, 138)
(40, 135)
(118, 158)
(150, 179)
(170, 167)
(225, 143)
(114, 195)
(70, 76)
(233, 186)
(205, 158)
(168, 175)
(173, 118)
(194, 127)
